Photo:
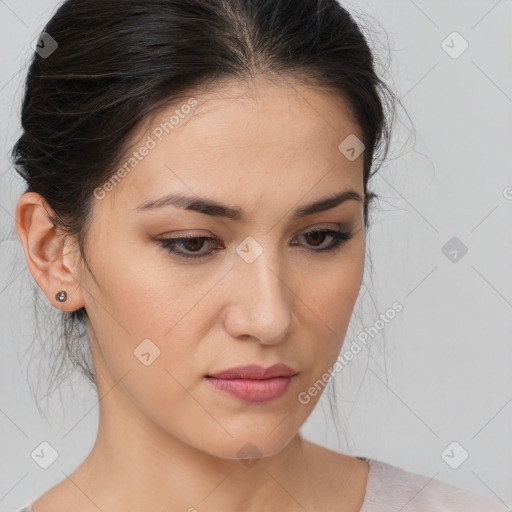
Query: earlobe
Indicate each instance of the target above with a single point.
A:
(51, 265)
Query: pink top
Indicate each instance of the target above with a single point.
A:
(391, 489)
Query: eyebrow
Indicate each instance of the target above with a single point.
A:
(215, 209)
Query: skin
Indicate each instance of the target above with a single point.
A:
(166, 439)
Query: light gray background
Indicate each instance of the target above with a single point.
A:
(441, 370)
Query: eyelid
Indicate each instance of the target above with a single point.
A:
(201, 233)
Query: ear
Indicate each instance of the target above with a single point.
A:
(51, 260)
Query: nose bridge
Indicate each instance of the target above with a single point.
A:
(263, 302)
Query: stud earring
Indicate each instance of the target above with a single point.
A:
(61, 296)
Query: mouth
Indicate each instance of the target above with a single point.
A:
(254, 383)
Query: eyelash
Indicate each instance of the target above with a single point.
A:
(169, 244)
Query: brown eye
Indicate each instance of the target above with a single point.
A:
(316, 238)
(190, 247)
(191, 244)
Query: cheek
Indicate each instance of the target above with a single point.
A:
(329, 295)
(148, 294)
(166, 317)
(142, 296)
(331, 288)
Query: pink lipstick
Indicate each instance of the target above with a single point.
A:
(254, 383)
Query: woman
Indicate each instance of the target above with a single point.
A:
(197, 196)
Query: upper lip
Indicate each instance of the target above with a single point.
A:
(255, 371)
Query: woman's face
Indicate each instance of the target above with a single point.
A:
(263, 289)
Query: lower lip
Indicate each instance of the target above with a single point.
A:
(253, 390)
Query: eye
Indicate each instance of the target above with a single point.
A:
(318, 237)
(190, 247)
(193, 244)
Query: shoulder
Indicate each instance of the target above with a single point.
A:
(390, 488)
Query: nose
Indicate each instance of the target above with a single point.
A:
(261, 300)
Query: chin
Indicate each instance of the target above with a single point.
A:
(248, 448)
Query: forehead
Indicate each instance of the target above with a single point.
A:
(244, 137)
(243, 111)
